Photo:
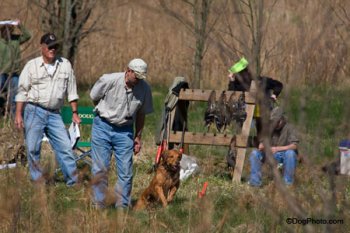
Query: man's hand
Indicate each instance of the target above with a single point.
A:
(275, 149)
(274, 97)
(75, 118)
(261, 146)
(19, 121)
(231, 77)
(137, 144)
(292, 146)
(18, 117)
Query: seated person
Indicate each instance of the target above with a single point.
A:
(284, 143)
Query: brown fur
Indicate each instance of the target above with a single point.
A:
(165, 183)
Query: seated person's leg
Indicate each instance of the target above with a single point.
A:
(279, 157)
(255, 159)
(289, 163)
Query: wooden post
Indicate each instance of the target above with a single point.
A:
(237, 174)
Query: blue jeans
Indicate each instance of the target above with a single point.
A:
(12, 86)
(287, 158)
(37, 121)
(106, 138)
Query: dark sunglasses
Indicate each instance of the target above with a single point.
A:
(54, 46)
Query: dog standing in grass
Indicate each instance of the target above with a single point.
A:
(165, 183)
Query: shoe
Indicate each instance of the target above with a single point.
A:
(280, 166)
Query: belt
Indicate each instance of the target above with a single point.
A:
(102, 118)
(108, 122)
(47, 109)
(10, 74)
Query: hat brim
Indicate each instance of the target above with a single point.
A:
(239, 66)
(276, 114)
(140, 75)
(235, 70)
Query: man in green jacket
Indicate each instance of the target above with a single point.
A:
(10, 59)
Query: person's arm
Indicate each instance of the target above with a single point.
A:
(24, 85)
(139, 124)
(18, 117)
(261, 146)
(75, 117)
(25, 36)
(275, 87)
(140, 118)
(99, 90)
(72, 93)
(292, 146)
(292, 140)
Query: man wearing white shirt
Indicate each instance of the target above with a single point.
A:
(43, 85)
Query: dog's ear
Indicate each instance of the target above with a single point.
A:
(164, 155)
(180, 155)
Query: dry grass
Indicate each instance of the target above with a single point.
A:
(302, 43)
(226, 207)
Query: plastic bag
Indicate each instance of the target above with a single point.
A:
(188, 166)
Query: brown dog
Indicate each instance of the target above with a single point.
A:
(165, 183)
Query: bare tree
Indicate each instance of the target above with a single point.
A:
(244, 29)
(198, 25)
(343, 30)
(68, 19)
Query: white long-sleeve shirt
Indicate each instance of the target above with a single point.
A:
(48, 89)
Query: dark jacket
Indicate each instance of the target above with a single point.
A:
(269, 85)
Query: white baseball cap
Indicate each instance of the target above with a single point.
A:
(139, 66)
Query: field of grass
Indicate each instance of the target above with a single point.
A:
(319, 113)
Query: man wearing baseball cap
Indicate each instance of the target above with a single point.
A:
(122, 100)
(44, 84)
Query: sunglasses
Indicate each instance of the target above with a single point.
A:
(54, 46)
